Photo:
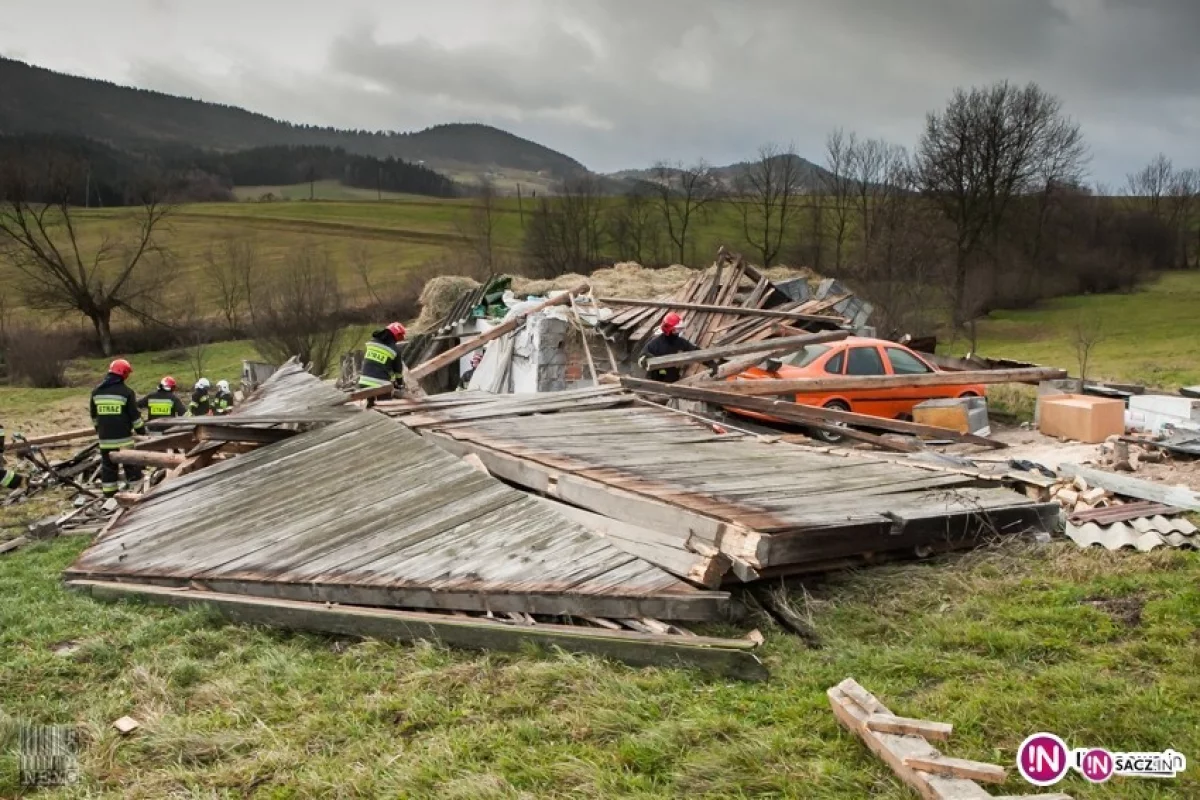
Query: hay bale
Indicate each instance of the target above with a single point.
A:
(438, 298)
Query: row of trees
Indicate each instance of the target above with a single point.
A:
(989, 209)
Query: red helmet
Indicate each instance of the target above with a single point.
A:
(121, 368)
(398, 331)
(671, 322)
(167, 383)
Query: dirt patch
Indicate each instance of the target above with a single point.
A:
(1126, 611)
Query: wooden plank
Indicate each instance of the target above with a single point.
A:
(867, 701)
(18, 447)
(668, 552)
(890, 723)
(735, 311)
(13, 544)
(223, 433)
(365, 394)
(453, 631)
(185, 440)
(148, 458)
(893, 750)
(455, 353)
(789, 344)
(1134, 487)
(856, 382)
(958, 768)
(806, 415)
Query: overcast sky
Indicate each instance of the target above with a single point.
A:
(622, 83)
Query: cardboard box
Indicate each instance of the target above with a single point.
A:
(962, 414)
(1081, 417)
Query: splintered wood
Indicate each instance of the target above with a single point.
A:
(903, 745)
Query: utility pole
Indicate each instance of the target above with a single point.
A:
(87, 190)
(520, 206)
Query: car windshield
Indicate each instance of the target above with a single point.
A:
(804, 357)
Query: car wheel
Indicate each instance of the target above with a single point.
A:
(969, 394)
(830, 436)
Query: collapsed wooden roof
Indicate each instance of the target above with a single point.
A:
(772, 508)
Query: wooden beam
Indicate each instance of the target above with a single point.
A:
(958, 768)
(366, 394)
(1134, 487)
(665, 550)
(13, 544)
(733, 311)
(890, 723)
(854, 382)
(454, 353)
(721, 657)
(823, 418)
(790, 344)
(148, 458)
(225, 433)
(17, 447)
(185, 440)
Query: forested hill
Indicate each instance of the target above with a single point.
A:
(36, 100)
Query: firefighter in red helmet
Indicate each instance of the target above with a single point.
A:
(382, 364)
(667, 342)
(114, 412)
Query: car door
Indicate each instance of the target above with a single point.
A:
(866, 360)
(904, 362)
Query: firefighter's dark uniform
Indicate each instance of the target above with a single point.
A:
(8, 478)
(382, 364)
(201, 405)
(162, 404)
(222, 403)
(666, 344)
(115, 414)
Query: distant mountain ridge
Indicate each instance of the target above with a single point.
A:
(34, 100)
(728, 175)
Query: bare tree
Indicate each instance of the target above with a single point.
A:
(838, 187)
(878, 172)
(567, 233)
(295, 312)
(40, 238)
(636, 226)
(767, 197)
(1151, 184)
(986, 149)
(684, 194)
(479, 229)
(228, 262)
(1088, 332)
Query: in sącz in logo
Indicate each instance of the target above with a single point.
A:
(1044, 759)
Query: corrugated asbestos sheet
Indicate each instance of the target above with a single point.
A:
(364, 511)
(1143, 534)
(776, 508)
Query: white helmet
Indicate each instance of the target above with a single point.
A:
(223, 386)
(203, 383)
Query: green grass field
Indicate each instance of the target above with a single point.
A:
(1098, 647)
(1148, 335)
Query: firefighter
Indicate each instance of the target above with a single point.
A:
(201, 404)
(163, 403)
(114, 412)
(381, 361)
(223, 403)
(667, 342)
(8, 478)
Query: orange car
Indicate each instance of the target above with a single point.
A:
(858, 356)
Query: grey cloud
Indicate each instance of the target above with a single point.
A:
(622, 83)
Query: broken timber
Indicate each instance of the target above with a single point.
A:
(725, 657)
(826, 418)
(1134, 487)
(147, 458)
(901, 744)
(855, 382)
(787, 344)
(733, 311)
(18, 446)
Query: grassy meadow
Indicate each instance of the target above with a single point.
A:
(1098, 647)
